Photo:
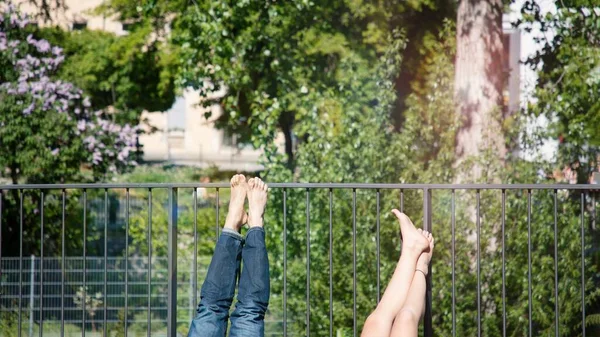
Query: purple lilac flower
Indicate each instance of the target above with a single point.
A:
(22, 63)
(123, 154)
(14, 18)
(29, 109)
(91, 142)
(65, 105)
(22, 88)
(103, 138)
(81, 125)
(59, 59)
(24, 22)
(97, 157)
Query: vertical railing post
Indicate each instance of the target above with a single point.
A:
(427, 320)
(31, 294)
(172, 262)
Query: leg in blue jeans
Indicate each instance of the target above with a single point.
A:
(254, 288)
(218, 289)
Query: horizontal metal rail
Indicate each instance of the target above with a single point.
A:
(314, 185)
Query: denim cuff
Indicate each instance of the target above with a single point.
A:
(233, 234)
(257, 228)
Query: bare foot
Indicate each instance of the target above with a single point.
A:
(257, 200)
(425, 258)
(412, 239)
(237, 217)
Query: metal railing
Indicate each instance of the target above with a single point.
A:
(137, 287)
(586, 193)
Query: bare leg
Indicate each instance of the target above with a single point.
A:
(379, 323)
(406, 323)
(248, 318)
(236, 216)
(218, 288)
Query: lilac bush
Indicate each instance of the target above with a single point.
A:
(48, 131)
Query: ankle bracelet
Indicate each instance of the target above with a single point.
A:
(421, 272)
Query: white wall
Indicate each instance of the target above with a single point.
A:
(529, 78)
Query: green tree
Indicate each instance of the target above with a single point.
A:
(48, 134)
(281, 50)
(362, 147)
(569, 81)
(566, 97)
(129, 74)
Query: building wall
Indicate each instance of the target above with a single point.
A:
(198, 143)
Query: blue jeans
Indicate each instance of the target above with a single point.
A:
(216, 296)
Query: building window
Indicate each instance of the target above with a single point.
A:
(511, 39)
(128, 24)
(176, 124)
(79, 25)
(229, 139)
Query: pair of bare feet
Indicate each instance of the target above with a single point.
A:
(256, 192)
(415, 241)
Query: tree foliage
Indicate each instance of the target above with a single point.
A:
(68, 133)
(48, 131)
(128, 74)
(568, 89)
(280, 50)
(328, 72)
(344, 133)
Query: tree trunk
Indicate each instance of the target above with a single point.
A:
(479, 82)
(286, 122)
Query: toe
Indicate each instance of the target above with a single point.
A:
(403, 218)
(234, 180)
(252, 182)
